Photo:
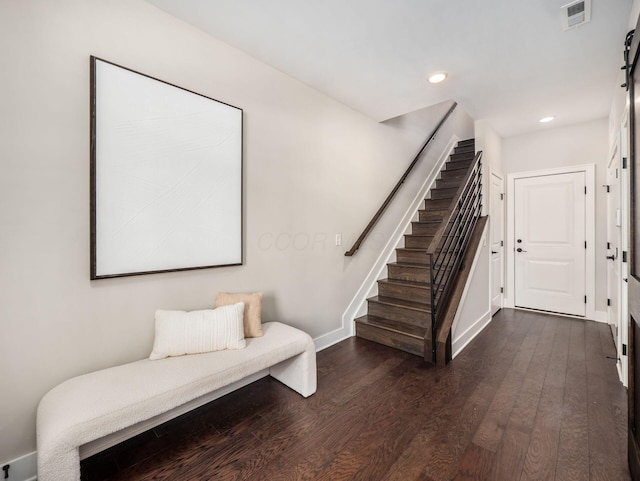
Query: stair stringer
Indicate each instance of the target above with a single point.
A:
(369, 287)
(460, 339)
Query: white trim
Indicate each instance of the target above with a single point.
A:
(615, 321)
(472, 331)
(329, 339)
(494, 172)
(625, 206)
(23, 468)
(590, 231)
(357, 306)
(602, 316)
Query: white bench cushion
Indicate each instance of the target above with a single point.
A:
(94, 405)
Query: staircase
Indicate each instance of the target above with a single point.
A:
(400, 315)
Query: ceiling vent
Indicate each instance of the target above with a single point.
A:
(575, 14)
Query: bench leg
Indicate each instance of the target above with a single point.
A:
(63, 465)
(299, 373)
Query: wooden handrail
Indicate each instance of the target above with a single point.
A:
(447, 216)
(389, 198)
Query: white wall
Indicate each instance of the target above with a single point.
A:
(474, 312)
(490, 143)
(313, 168)
(578, 144)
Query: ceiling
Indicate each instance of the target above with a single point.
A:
(509, 61)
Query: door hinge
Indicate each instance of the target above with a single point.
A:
(501, 243)
(624, 349)
(585, 299)
(502, 290)
(624, 162)
(608, 302)
(585, 244)
(608, 245)
(501, 196)
(624, 256)
(585, 190)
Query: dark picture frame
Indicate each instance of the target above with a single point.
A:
(166, 176)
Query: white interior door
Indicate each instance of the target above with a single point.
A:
(550, 243)
(496, 219)
(614, 223)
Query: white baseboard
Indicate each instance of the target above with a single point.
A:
(23, 468)
(602, 316)
(333, 337)
(472, 331)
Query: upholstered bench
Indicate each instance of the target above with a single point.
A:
(122, 401)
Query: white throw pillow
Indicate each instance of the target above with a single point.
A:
(180, 332)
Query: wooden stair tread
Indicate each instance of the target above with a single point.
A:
(422, 285)
(449, 183)
(411, 265)
(399, 327)
(430, 221)
(434, 210)
(442, 204)
(459, 165)
(453, 174)
(406, 283)
(464, 149)
(423, 249)
(406, 264)
(458, 156)
(391, 301)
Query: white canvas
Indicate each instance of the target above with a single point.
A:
(168, 176)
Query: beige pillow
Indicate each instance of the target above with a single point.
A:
(180, 332)
(252, 310)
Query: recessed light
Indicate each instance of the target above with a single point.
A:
(544, 120)
(436, 78)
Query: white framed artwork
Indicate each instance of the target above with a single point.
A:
(166, 176)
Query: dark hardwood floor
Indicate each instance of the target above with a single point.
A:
(533, 397)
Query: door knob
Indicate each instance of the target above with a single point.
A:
(520, 250)
(494, 252)
(611, 257)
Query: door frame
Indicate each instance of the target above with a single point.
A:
(625, 270)
(494, 172)
(616, 155)
(590, 233)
